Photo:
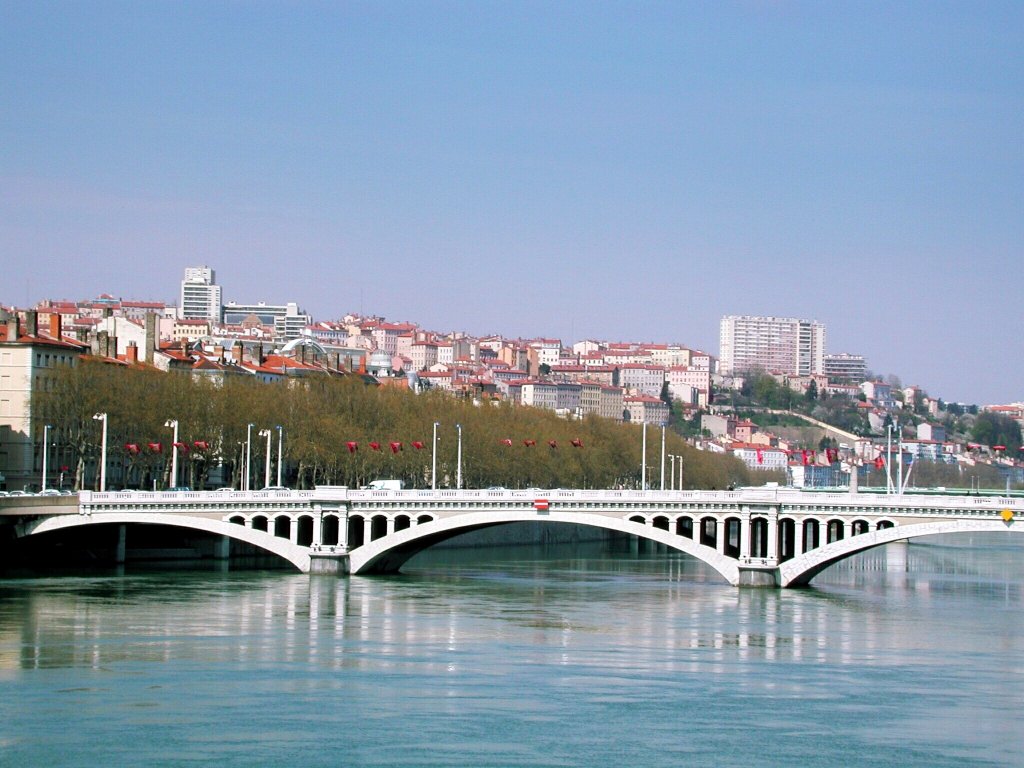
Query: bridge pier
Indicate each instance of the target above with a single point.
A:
(759, 576)
(329, 563)
(122, 538)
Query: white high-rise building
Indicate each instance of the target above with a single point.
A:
(774, 344)
(200, 295)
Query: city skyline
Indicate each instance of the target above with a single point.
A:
(632, 171)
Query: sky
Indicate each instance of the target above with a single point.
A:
(604, 170)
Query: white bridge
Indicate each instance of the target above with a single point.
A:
(752, 537)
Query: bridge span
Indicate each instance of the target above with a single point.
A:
(752, 537)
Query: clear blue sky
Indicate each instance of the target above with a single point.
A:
(630, 171)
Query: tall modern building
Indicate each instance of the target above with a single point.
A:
(200, 295)
(775, 344)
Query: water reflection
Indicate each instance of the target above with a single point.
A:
(488, 661)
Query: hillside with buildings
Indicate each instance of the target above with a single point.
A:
(773, 398)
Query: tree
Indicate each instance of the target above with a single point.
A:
(812, 391)
(993, 429)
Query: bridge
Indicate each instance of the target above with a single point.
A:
(767, 536)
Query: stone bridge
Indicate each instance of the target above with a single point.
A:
(752, 537)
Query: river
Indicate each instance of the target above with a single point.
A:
(555, 656)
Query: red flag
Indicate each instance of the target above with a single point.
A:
(396, 447)
(155, 447)
(374, 446)
(352, 446)
(803, 455)
(417, 444)
(760, 456)
(506, 441)
(201, 445)
(529, 443)
(183, 447)
(577, 443)
(879, 462)
(132, 448)
(553, 443)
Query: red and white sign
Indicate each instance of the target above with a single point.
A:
(541, 505)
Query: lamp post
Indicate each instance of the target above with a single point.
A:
(458, 461)
(679, 459)
(643, 460)
(663, 457)
(174, 452)
(280, 453)
(671, 471)
(433, 459)
(46, 443)
(103, 452)
(266, 472)
(248, 454)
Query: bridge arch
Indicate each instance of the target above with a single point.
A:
(388, 554)
(800, 570)
(294, 554)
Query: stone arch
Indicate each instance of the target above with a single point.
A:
(684, 526)
(297, 556)
(388, 554)
(800, 570)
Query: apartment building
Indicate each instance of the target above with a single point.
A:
(200, 295)
(775, 344)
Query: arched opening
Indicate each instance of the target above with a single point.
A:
(787, 539)
(423, 519)
(355, 531)
(759, 545)
(733, 537)
(304, 534)
(329, 530)
(378, 527)
(237, 520)
(638, 519)
(402, 522)
(283, 527)
(661, 523)
(835, 531)
(709, 532)
(259, 523)
(684, 527)
(811, 534)
(859, 527)
(884, 524)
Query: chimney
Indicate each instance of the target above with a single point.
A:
(31, 323)
(236, 352)
(149, 347)
(218, 352)
(12, 327)
(56, 332)
(131, 354)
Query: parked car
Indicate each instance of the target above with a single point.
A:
(176, 488)
(49, 492)
(275, 488)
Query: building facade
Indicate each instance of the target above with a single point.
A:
(200, 295)
(774, 344)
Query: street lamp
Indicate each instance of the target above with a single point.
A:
(433, 459)
(174, 452)
(46, 443)
(663, 457)
(458, 461)
(248, 455)
(679, 458)
(643, 460)
(266, 473)
(103, 452)
(280, 443)
(672, 472)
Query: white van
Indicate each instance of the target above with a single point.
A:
(385, 485)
